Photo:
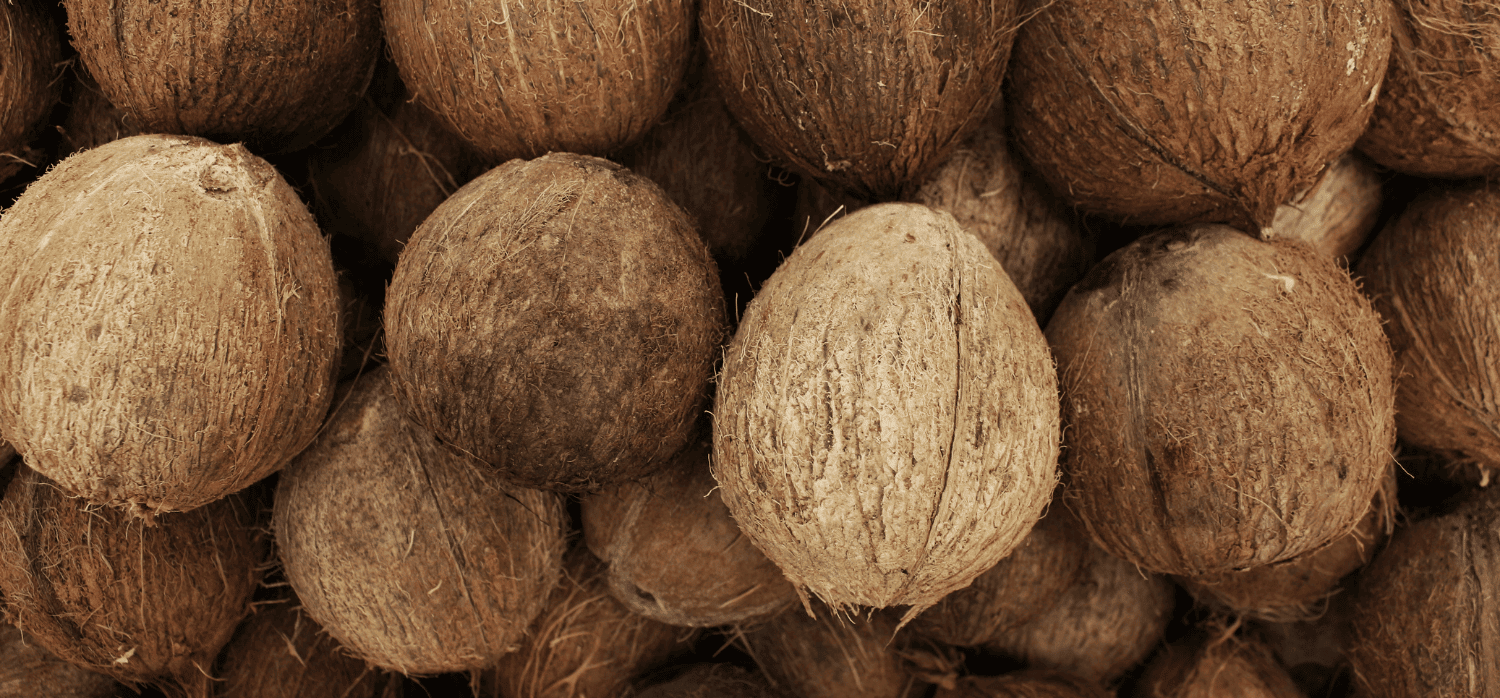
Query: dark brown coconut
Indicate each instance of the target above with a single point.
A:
(868, 96)
(1434, 274)
(557, 318)
(30, 63)
(1313, 651)
(28, 671)
(92, 120)
(1201, 666)
(1177, 113)
(1436, 115)
(1338, 214)
(1230, 401)
(171, 325)
(414, 558)
(884, 428)
(278, 652)
(142, 602)
(276, 75)
(1035, 683)
(712, 681)
(644, 531)
(832, 656)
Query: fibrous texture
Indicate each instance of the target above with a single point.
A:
(169, 311)
(832, 656)
(867, 96)
(30, 53)
(1230, 401)
(278, 652)
(886, 427)
(1162, 113)
(1203, 667)
(28, 671)
(1034, 683)
(1338, 214)
(558, 319)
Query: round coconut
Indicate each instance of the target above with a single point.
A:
(520, 80)
(584, 644)
(92, 120)
(1434, 274)
(30, 63)
(171, 323)
(276, 75)
(557, 318)
(711, 681)
(1338, 214)
(141, 602)
(1034, 683)
(832, 656)
(1200, 666)
(415, 558)
(28, 671)
(886, 421)
(1244, 412)
(869, 96)
(1436, 115)
(1166, 113)
(645, 530)
(278, 652)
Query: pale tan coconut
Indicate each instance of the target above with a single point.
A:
(1206, 666)
(1337, 215)
(28, 671)
(831, 655)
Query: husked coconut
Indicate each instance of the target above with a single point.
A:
(1033, 683)
(1338, 214)
(29, 86)
(278, 652)
(28, 671)
(831, 655)
(1216, 667)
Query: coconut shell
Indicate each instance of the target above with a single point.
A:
(171, 323)
(278, 652)
(1203, 667)
(712, 681)
(141, 602)
(1177, 113)
(832, 656)
(1034, 683)
(645, 530)
(30, 60)
(28, 671)
(276, 75)
(557, 318)
(884, 427)
(1434, 274)
(869, 97)
(1243, 412)
(1338, 214)
(415, 558)
(92, 120)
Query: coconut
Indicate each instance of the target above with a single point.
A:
(1224, 667)
(1313, 651)
(141, 602)
(92, 120)
(414, 557)
(711, 681)
(29, 85)
(868, 96)
(557, 318)
(27, 671)
(1436, 115)
(1338, 214)
(276, 75)
(1242, 414)
(1033, 683)
(832, 656)
(874, 460)
(171, 324)
(279, 652)
(1166, 113)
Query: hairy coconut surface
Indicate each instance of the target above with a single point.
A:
(1208, 667)
(28, 671)
(92, 120)
(413, 557)
(1230, 401)
(170, 321)
(885, 427)
(868, 96)
(1434, 274)
(1338, 214)
(279, 652)
(1178, 113)
(144, 602)
(712, 681)
(675, 555)
(1034, 683)
(1436, 115)
(557, 318)
(831, 655)
(30, 58)
(276, 75)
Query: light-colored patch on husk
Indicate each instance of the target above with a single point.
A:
(885, 427)
(279, 652)
(558, 319)
(1032, 683)
(1204, 666)
(831, 655)
(1230, 401)
(28, 671)
(1337, 215)
(170, 318)
(712, 681)
(30, 58)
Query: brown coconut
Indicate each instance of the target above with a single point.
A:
(585, 643)
(1177, 113)
(276, 75)
(1033, 683)
(711, 681)
(171, 323)
(644, 530)
(1201, 666)
(1436, 114)
(867, 96)
(885, 427)
(1230, 401)
(92, 120)
(28, 671)
(414, 557)
(559, 319)
(1338, 214)
(832, 656)
(30, 64)
(278, 652)
(1434, 274)
(141, 602)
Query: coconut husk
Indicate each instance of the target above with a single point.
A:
(415, 558)
(278, 652)
(141, 602)
(171, 325)
(1436, 114)
(831, 655)
(28, 671)
(881, 465)
(1034, 683)
(1167, 113)
(275, 75)
(712, 681)
(1202, 666)
(868, 97)
(1243, 415)
(557, 318)
(359, 316)
(1338, 214)
(30, 63)
(92, 120)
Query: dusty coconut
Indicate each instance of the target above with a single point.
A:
(171, 328)
(1201, 666)
(278, 652)
(29, 81)
(557, 318)
(28, 671)
(141, 602)
(415, 558)
(1338, 214)
(1240, 109)
(711, 681)
(1243, 412)
(1034, 683)
(832, 656)
(276, 75)
(885, 427)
